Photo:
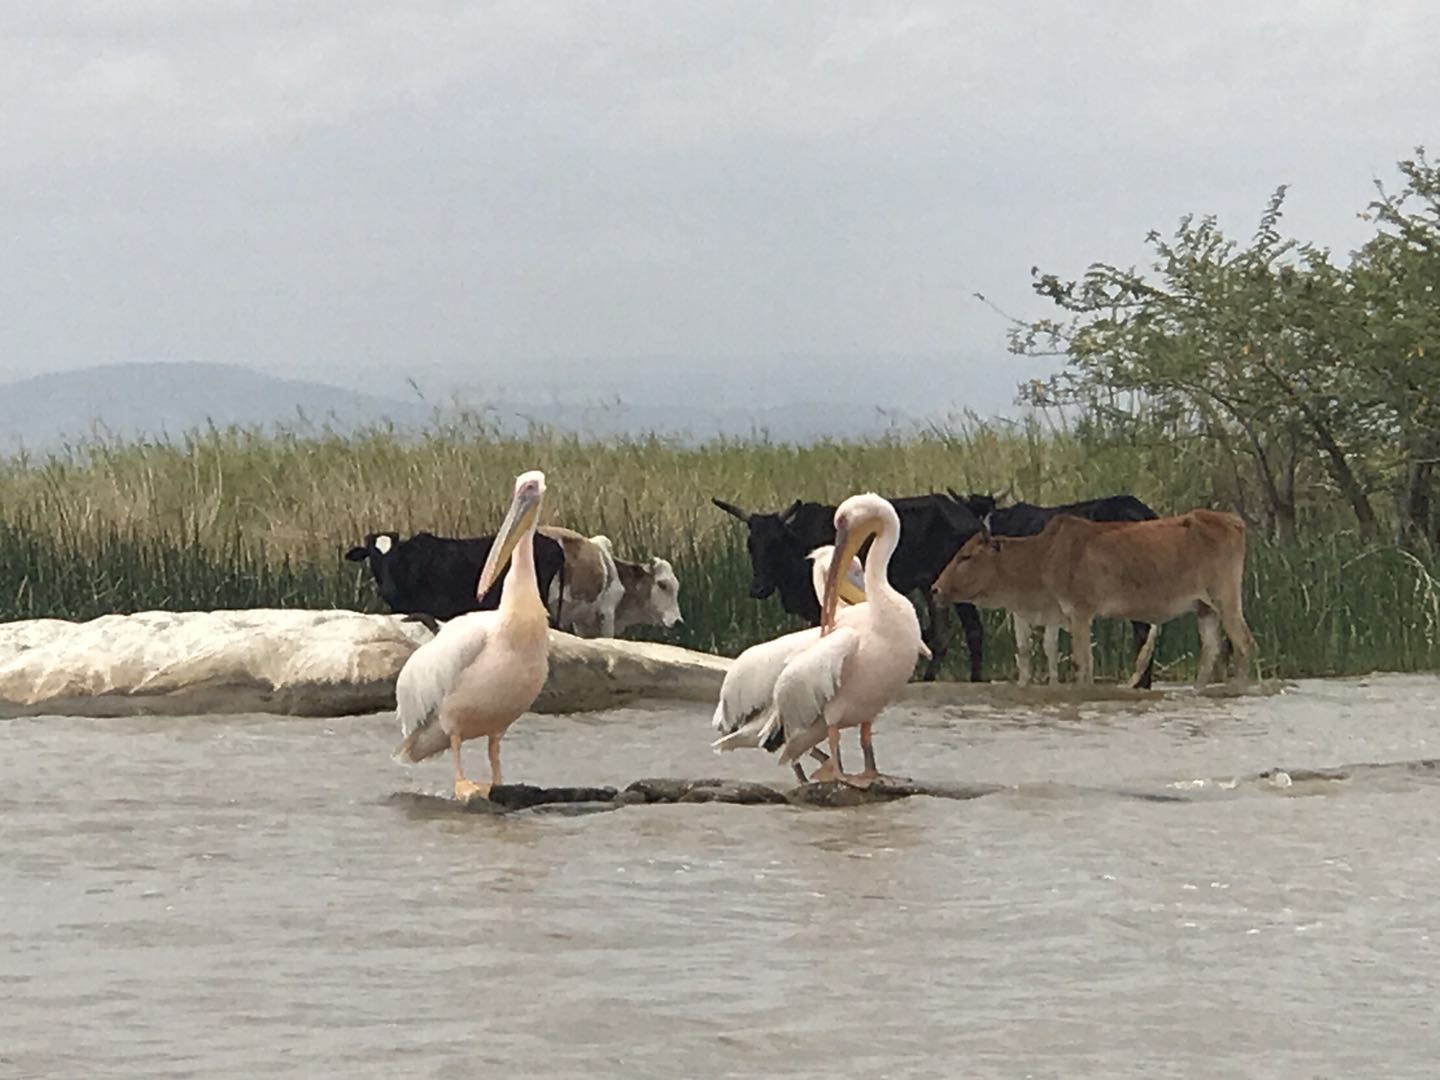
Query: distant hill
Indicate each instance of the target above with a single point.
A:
(158, 400)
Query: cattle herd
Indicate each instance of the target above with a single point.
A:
(1048, 566)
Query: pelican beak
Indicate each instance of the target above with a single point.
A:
(851, 591)
(848, 542)
(519, 524)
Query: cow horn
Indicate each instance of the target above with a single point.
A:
(788, 514)
(731, 509)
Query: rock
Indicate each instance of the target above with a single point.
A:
(742, 792)
(510, 799)
(523, 796)
(589, 674)
(294, 662)
(827, 793)
(567, 809)
(664, 789)
(885, 789)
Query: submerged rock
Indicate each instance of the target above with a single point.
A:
(668, 790)
(294, 662)
(524, 796)
(885, 789)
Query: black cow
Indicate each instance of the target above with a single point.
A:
(1027, 519)
(436, 576)
(932, 528)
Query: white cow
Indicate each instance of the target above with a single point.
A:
(603, 596)
(586, 601)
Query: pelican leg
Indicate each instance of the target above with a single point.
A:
(831, 769)
(818, 754)
(495, 780)
(870, 773)
(868, 748)
(465, 790)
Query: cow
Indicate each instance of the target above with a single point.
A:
(584, 599)
(1152, 570)
(652, 593)
(932, 528)
(1027, 519)
(434, 577)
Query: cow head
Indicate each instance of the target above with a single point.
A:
(771, 544)
(664, 603)
(972, 572)
(982, 506)
(652, 594)
(375, 547)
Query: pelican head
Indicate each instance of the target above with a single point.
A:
(857, 519)
(852, 583)
(519, 524)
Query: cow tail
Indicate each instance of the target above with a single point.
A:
(1142, 659)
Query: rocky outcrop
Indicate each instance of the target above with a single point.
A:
(512, 798)
(294, 662)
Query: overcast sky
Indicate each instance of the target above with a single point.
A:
(471, 190)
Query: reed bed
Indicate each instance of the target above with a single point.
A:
(236, 519)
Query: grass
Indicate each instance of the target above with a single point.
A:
(235, 519)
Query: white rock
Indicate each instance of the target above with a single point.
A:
(310, 663)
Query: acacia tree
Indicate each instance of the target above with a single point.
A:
(1396, 283)
(1282, 359)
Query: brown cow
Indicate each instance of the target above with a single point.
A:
(1153, 571)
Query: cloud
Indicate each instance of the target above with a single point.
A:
(376, 186)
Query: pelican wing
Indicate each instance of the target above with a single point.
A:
(429, 675)
(749, 685)
(807, 685)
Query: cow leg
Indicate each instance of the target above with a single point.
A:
(1052, 652)
(1208, 622)
(1237, 633)
(974, 638)
(1142, 631)
(1080, 648)
(1022, 647)
(935, 637)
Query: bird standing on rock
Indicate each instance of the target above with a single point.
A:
(485, 668)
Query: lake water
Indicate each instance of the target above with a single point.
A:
(242, 897)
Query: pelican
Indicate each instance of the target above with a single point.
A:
(743, 711)
(744, 714)
(483, 669)
(863, 655)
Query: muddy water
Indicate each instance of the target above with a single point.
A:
(241, 897)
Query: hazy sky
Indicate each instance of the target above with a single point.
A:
(466, 190)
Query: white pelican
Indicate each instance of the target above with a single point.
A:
(744, 714)
(864, 654)
(743, 711)
(483, 669)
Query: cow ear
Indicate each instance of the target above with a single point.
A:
(731, 509)
(357, 554)
(788, 514)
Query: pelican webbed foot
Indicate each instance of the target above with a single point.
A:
(465, 790)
